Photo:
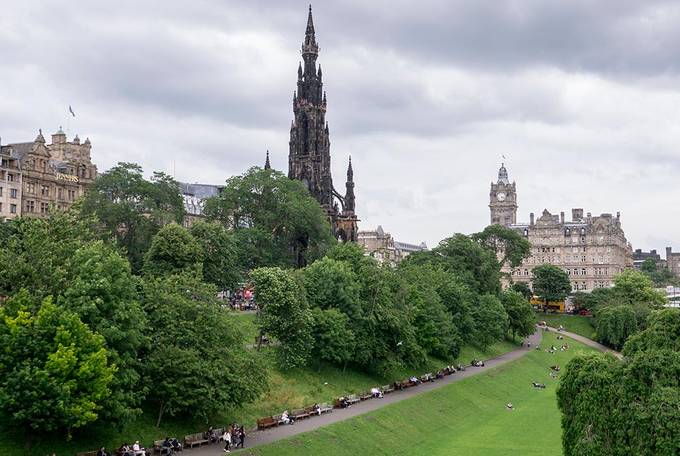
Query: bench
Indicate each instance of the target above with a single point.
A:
(366, 396)
(197, 439)
(427, 377)
(268, 421)
(87, 453)
(386, 389)
(352, 399)
(299, 414)
(407, 384)
(325, 408)
(441, 374)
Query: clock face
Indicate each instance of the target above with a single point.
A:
(500, 196)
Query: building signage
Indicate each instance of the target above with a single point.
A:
(67, 177)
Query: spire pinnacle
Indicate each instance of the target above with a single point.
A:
(267, 165)
(350, 171)
(309, 46)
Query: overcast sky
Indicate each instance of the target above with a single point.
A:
(582, 98)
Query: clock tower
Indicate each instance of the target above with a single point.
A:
(503, 200)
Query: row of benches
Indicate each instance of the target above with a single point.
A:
(190, 441)
(298, 414)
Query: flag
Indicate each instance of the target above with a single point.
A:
(501, 155)
(70, 109)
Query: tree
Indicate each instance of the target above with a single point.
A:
(173, 250)
(220, 252)
(523, 289)
(133, 209)
(491, 320)
(662, 333)
(284, 314)
(508, 243)
(196, 364)
(102, 292)
(332, 284)
(520, 314)
(660, 276)
(333, 338)
(614, 324)
(634, 287)
(54, 371)
(476, 265)
(550, 283)
(274, 218)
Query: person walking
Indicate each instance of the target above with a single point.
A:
(242, 437)
(227, 441)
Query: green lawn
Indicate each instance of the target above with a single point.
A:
(246, 322)
(577, 324)
(290, 389)
(465, 418)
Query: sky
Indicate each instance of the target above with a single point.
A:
(582, 98)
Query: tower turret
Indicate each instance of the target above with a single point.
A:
(503, 199)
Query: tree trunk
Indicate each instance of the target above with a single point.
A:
(160, 414)
(259, 341)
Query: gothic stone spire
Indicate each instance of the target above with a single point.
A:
(267, 165)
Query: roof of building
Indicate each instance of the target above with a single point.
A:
(18, 150)
(200, 190)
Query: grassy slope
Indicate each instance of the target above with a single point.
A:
(578, 324)
(288, 390)
(467, 418)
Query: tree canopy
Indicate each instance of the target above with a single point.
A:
(550, 283)
(511, 246)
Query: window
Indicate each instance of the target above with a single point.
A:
(60, 193)
(583, 271)
(44, 208)
(13, 193)
(30, 188)
(583, 259)
(0, 207)
(10, 177)
(71, 195)
(0, 191)
(13, 208)
(30, 206)
(45, 190)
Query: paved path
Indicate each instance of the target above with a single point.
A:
(256, 438)
(589, 342)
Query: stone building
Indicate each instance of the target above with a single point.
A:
(309, 158)
(10, 185)
(194, 196)
(590, 249)
(381, 246)
(639, 257)
(673, 261)
(53, 174)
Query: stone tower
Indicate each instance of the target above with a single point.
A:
(309, 158)
(503, 200)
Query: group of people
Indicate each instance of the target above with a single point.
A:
(125, 450)
(233, 435)
(170, 446)
(477, 363)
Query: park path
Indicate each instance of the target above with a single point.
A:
(257, 438)
(586, 341)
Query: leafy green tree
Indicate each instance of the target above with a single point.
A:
(662, 333)
(520, 313)
(276, 221)
(659, 276)
(173, 250)
(550, 283)
(54, 371)
(459, 301)
(634, 287)
(133, 209)
(508, 243)
(284, 313)
(435, 331)
(333, 339)
(476, 265)
(332, 284)
(491, 320)
(220, 253)
(523, 289)
(102, 292)
(614, 324)
(35, 252)
(196, 363)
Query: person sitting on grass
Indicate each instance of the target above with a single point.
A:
(509, 406)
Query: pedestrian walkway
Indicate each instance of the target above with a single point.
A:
(586, 341)
(263, 437)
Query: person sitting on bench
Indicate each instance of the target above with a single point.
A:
(286, 418)
(375, 392)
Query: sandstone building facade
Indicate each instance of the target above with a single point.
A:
(382, 246)
(590, 249)
(309, 158)
(45, 175)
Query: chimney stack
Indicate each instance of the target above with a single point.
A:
(562, 218)
(531, 219)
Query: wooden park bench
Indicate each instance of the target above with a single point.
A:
(299, 414)
(325, 408)
(386, 389)
(366, 396)
(427, 377)
(352, 399)
(87, 453)
(197, 439)
(268, 422)
(407, 384)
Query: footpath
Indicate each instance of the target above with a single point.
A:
(586, 341)
(257, 438)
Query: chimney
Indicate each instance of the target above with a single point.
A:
(562, 218)
(668, 253)
(531, 219)
(576, 215)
